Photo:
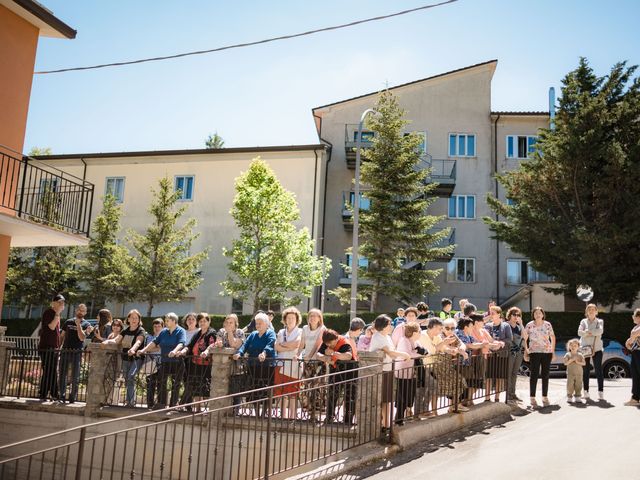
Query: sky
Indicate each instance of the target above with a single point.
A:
(263, 95)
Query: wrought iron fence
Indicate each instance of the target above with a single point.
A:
(213, 442)
(156, 381)
(44, 194)
(55, 374)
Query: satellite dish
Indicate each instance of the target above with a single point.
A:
(585, 293)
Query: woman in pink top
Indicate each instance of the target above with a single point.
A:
(540, 345)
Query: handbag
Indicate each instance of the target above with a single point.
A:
(587, 351)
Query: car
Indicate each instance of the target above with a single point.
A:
(615, 363)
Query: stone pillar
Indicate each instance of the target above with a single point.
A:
(3, 331)
(4, 363)
(369, 395)
(101, 375)
(221, 368)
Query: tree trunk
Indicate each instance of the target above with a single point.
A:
(150, 307)
(374, 301)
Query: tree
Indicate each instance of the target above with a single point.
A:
(214, 141)
(576, 213)
(35, 275)
(271, 259)
(39, 151)
(106, 266)
(396, 231)
(163, 269)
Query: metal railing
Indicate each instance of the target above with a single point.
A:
(206, 443)
(30, 343)
(250, 434)
(44, 194)
(55, 374)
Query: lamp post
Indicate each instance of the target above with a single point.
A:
(356, 211)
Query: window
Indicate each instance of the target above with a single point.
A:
(520, 146)
(461, 270)
(520, 272)
(236, 306)
(511, 202)
(115, 187)
(365, 203)
(363, 264)
(184, 184)
(366, 136)
(462, 206)
(422, 148)
(462, 145)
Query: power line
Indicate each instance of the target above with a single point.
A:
(247, 44)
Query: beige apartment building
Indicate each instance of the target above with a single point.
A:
(465, 144)
(207, 179)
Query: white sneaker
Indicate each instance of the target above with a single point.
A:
(600, 395)
(632, 403)
(569, 398)
(579, 399)
(586, 395)
(545, 401)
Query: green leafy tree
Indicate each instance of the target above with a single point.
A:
(271, 259)
(163, 268)
(396, 231)
(35, 275)
(39, 151)
(106, 265)
(576, 214)
(214, 141)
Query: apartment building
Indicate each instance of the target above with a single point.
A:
(465, 144)
(206, 179)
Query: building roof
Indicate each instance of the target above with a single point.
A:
(495, 61)
(199, 151)
(521, 114)
(40, 16)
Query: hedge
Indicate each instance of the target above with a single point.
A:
(565, 324)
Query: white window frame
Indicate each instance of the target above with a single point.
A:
(465, 259)
(193, 187)
(457, 154)
(465, 207)
(106, 187)
(361, 267)
(515, 138)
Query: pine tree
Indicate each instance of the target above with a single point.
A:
(576, 214)
(106, 266)
(163, 268)
(214, 141)
(271, 259)
(396, 230)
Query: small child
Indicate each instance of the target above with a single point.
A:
(574, 361)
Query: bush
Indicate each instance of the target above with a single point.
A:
(565, 324)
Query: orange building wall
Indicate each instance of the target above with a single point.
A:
(18, 44)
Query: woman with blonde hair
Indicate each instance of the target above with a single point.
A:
(230, 335)
(590, 332)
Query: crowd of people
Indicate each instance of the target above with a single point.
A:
(460, 356)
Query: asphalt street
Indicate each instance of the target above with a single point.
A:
(597, 440)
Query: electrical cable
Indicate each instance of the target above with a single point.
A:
(247, 44)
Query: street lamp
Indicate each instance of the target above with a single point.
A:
(356, 211)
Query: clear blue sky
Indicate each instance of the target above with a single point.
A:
(263, 95)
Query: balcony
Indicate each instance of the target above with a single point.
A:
(350, 142)
(347, 209)
(446, 258)
(345, 273)
(443, 174)
(41, 205)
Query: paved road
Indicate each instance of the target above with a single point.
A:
(599, 440)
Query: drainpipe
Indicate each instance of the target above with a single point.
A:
(495, 173)
(324, 199)
(313, 212)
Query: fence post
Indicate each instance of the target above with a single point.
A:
(83, 434)
(5, 359)
(369, 397)
(267, 455)
(456, 393)
(221, 364)
(100, 378)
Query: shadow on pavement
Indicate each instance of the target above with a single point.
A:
(417, 451)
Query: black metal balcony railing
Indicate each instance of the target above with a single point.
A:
(43, 194)
(443, 174)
